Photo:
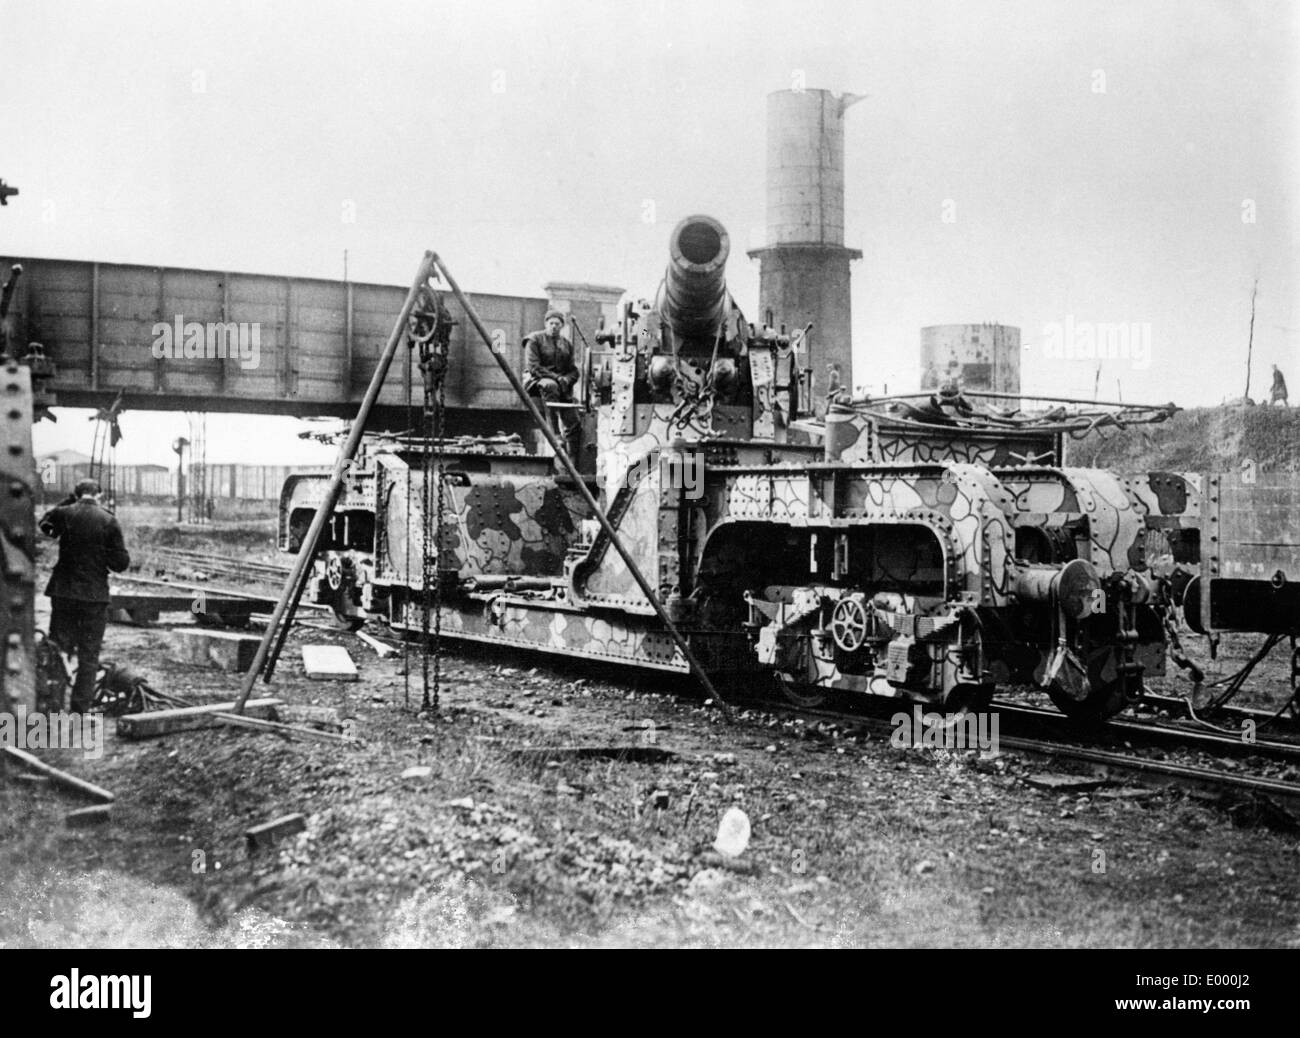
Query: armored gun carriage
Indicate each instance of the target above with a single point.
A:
(931, 550)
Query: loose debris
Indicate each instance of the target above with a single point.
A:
(733, 833)
(320, 716)
(286, 730)
(1059, 782)
(633, 754)
(88, 816)
(268, 834)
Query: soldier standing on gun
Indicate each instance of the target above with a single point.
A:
(90, 544)
(550, 373)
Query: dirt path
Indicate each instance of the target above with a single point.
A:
(853, 843)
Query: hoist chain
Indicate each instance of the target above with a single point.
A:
(430, 330)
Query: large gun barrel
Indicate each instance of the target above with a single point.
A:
(693, 297)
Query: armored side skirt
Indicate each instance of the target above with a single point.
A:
(557, 628)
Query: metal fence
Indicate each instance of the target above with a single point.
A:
(222, 482)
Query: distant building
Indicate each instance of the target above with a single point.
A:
(65, 457)
(62, 470)
(979, 356)
(585, 303)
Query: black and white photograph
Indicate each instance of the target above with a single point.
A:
(702, 474)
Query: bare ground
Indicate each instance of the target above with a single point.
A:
(854, 843)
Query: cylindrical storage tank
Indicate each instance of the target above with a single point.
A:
(977, 356)
(804, 277)
(805, 167)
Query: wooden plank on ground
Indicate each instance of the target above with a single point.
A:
(184, 719)
(207, 648)
(328, 663)
(382, 650)
(275, 728)
(59, 778)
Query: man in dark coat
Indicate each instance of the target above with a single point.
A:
(1278, 391)
(90, 544)
(550, 373)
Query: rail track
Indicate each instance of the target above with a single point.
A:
(1153, 733)
(1106, 764)
(1176, 706)
(227, 565)
(1036, 731)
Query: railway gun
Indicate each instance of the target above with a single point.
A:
(931, 547)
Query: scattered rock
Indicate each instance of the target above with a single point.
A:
(501, 916)
(1128, 794)
(706, 880)
(712, 860)
(733, 833)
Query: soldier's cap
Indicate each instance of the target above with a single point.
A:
(552, 313)
(87, 486)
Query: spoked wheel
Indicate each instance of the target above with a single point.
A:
(850, 624)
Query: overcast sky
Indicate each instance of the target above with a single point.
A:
(1103, 161)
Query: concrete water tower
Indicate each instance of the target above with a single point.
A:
(979, 356)
(804, 267)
